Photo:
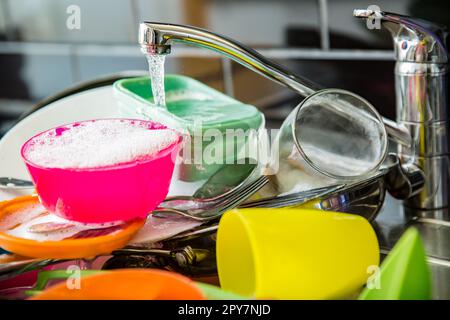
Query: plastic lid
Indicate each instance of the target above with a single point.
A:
(189, 101)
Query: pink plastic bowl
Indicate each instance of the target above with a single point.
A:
(112, 193)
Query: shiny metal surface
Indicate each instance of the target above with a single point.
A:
(365, 199)
(291, 199)
(210, 210)
(157, 38)
(14, 183)
(394, 219)
(162, 35)
(422, 107)
(403, 180)
(398, 133)
(415, 40)
(436, 192)
(421, 90)
(430, 216)
(428, 140)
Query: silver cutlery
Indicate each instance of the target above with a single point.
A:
(15, 183)
(292, 199)
(202, 210)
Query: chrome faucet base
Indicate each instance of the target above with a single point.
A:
(422, 108)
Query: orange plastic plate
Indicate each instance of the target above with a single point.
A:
(88, 247)
(126, 284)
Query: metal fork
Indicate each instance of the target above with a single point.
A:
(209, 210)
(292, 199)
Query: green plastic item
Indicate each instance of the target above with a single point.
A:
(215, 293)
(224, 180)
(188, 102)
(45, 276)
(404, 274)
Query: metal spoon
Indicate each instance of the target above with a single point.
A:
(14, 183)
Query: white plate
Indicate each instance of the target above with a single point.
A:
(91, 104)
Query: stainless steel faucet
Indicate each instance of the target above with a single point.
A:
(421, 90)
(157, 38)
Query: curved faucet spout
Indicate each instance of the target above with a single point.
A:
(156, 38)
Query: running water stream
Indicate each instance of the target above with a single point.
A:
(156, 69)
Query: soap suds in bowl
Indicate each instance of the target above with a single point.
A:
(102, 170)
(97, 143)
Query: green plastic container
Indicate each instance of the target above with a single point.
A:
(404, 274)
(215, 293)
(207, 115)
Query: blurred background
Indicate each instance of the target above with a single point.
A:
(318, 39)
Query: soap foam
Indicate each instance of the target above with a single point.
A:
(98, 143)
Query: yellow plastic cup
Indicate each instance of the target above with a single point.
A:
(295, 253)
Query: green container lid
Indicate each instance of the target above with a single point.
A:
(189, 100)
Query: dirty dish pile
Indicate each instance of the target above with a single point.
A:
(98, 180)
